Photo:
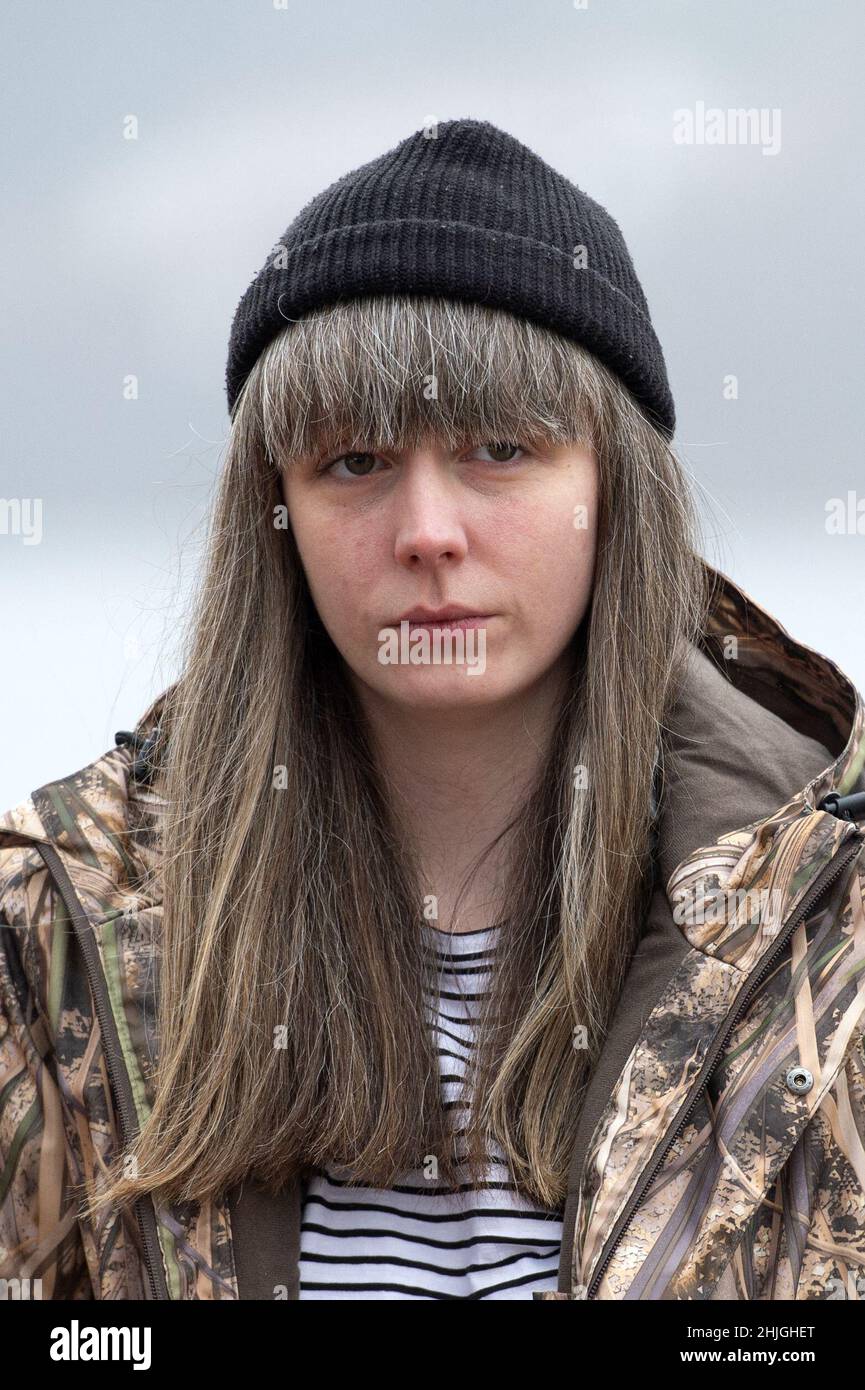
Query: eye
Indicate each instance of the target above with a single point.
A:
(500, 452)
(362, 463)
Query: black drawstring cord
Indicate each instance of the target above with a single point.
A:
(142, 769)
(844, 807)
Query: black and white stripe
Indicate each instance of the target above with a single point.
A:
(411, 1241)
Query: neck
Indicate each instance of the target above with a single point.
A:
(456, 778)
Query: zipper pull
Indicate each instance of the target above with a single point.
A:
(844, 807)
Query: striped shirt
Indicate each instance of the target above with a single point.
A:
(412, 1241)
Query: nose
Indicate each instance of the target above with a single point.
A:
(429, 527)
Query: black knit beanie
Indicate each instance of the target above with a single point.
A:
(466, 211)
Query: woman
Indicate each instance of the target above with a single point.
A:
(480, 915)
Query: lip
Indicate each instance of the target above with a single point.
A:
(451, 617)
(448, 624)
(440, 615)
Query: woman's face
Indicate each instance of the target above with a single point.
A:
(502, 533)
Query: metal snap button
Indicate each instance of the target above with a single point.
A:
(799, 1080)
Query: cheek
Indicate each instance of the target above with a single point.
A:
(553, 550)
(339, 563)
(554, 540)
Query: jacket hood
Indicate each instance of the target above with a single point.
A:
(763, 729)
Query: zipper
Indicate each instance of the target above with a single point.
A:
(143, 1209)
(832, 871)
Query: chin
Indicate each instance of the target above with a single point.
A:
(428, 689)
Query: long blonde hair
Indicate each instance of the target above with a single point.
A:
(291, 1018)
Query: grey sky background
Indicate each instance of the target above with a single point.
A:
(129, 256)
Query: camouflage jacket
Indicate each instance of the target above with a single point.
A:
(727, 1160)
